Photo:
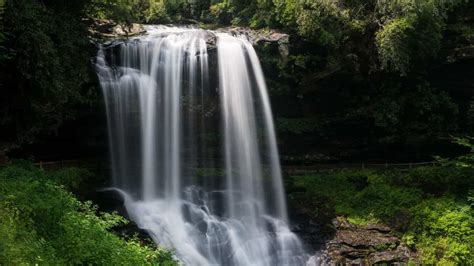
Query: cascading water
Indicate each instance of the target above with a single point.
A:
(160, 91)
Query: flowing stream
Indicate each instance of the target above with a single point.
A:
(172, 101)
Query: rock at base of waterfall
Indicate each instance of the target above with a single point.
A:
(366, 245)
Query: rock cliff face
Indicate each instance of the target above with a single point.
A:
(366, 245)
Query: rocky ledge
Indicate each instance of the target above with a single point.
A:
(262, 37)
(366, 245)
(107, 29)
(258, 36)
(112, 33)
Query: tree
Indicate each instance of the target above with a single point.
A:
(47, 74)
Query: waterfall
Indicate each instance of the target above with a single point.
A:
(173, 109)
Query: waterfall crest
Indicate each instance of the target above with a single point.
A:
(171, 107)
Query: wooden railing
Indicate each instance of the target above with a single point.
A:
(289, 169)
(305, 169)
(88, 164)
(286, 168)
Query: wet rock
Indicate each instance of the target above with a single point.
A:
(114, 32)
(261, 37)
(314, 235)
(109, 29)
(362, 238)
(400, 254)
(258, 36)
(131, 229)
(318, 259)
(128, 30)
(110, 200)
(366, 245)
(379, 227)
(341, 223)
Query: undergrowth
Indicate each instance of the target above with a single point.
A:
(429, 207)
(41, 222)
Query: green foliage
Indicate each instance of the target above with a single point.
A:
(127, 12)
(148, 11)
(367, 61)
(427, 205)
(40, 222)
(465, 161)
(443, 229)
(322, 21)
(286, 12)
(391, 42)
(239, 12)
(350, 53)
(439, 180)
(407, 32)
(156, 11)
(417, 109)
(297, 126)
(220, 13)
(412, 32)
(48, 74)
(71, 178)
(372, 198)
(19, 244)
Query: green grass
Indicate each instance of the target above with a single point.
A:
(430, 207)
(42, 223)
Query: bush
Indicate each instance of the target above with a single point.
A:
(392, 44)
(427, 205)
(20, 245)
(40, 222)
(443, 229)
(363, 196)
(439, 180)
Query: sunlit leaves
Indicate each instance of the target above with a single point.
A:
(42, 223)
(393, 44)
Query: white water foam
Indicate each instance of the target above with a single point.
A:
(156, 90)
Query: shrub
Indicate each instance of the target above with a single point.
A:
(392, 44)
(427, 205)
(41, 222)
(20, 245)
(363, 196)
(439, 180)
(443, 229)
